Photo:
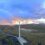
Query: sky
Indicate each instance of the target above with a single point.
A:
(22, 8)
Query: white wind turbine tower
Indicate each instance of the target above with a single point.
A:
(19, 30)
(21, 39)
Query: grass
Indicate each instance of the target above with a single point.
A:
(33, 37)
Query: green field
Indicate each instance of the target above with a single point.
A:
(35, 37)
(30, 36)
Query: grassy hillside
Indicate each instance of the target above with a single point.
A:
(33, 37)
(39, 27)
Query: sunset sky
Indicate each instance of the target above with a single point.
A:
(22, 8)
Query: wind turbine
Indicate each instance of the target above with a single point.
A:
(21, 39)
(19, 30)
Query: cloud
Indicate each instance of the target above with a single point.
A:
(21, 8)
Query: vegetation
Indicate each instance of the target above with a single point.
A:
(32, 37)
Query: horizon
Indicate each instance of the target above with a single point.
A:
(15, 21)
